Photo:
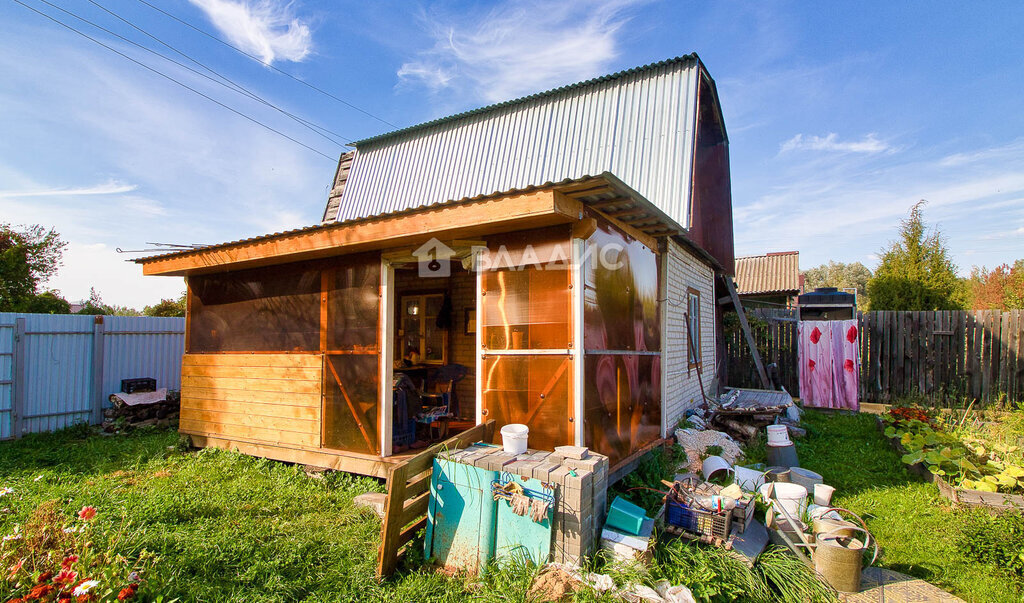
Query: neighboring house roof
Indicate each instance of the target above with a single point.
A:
(639, 124)
(340, 179)
(777, 272)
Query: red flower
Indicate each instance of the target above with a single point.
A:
(86, 598)
(127, 592)
(39, 591)
(87, 513)
(43, 577)
(848, 365)
(810, 364)
(851, 334)
(65, 576)
(14, 569)
(68, 561)
(815, 335)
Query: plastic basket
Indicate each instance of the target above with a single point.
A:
(697, 521)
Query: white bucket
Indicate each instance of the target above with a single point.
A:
(791, 497)
(514, 437)
(714, 464)
(749, 479)
(778, 435)
(823, 494)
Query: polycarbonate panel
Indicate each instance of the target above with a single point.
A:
(534, 390)
(526, 309)
(353, 304)
(273, 309)
(622, 403)
(621, 295)
(350, 402)
(526, 295)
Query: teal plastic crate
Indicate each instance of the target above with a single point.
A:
(625, 516)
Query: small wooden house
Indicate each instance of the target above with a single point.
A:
(562, 248)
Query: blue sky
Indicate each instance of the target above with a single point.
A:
(840, 115)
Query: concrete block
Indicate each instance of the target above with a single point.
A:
(373, 501)
(572, 452)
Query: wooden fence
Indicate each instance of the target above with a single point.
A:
(945, 357)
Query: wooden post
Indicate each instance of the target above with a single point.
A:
(18, 399)
(746, 332)
(98, 330)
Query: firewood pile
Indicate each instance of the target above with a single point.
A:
(743, 413)
(158, 408)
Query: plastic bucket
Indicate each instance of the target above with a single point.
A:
(514, 437)
(823, 494)
(791, 497)
(749, 479)
(713, 466)
(807, 479)
(778, 435)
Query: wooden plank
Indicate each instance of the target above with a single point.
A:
(415, 507)
(261, 385)
(309, 413)
(349, 462)
(409, 532)
(250, 419)
(505, 213)
(394, 502)
(1002, 381)
(303, 360)
(254, 372)
(251, 434)
(754, 354)
(257, 397)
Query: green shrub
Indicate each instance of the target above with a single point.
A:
(997, 540)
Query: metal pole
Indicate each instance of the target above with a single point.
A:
(18, 400)
(98, 330)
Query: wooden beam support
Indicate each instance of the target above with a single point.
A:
(468, 220)
(762, 375)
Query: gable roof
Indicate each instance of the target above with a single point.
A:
(340, 180)
(686, 58)
(777, 272)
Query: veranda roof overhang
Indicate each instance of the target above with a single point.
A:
(549, 204)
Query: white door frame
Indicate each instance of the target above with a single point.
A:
(386, 332)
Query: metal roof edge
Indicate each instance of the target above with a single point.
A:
(524, 99)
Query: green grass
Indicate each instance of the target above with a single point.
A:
(917, 529)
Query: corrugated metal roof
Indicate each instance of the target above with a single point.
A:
(770, 273)
(637, 124)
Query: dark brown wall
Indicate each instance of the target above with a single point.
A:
(711, 203)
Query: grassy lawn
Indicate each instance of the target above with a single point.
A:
(218, 526)
(918, 529)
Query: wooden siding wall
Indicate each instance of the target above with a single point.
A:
(260, 398)
(947, 357)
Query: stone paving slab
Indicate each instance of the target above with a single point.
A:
(879, 585)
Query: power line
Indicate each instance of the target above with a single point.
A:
(234, 87)
(240, 88)
(262, 62)
(182, 84)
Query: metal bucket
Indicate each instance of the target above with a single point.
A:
(839, 560)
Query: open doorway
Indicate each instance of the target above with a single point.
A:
(433, 354)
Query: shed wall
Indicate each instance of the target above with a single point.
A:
(682, 386)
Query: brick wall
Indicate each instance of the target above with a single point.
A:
(681, 270)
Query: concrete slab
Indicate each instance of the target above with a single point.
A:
(878, 585)
(373, 501)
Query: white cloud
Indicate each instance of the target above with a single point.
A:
(110, 187)
(519, 48)
(869, 144)
(265, 28)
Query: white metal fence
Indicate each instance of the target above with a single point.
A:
(57, 370)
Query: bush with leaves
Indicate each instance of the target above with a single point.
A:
(998, 540)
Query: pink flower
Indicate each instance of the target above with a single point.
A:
(87, 513)
(65, 576)
(70, 559)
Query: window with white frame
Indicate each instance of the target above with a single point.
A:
(693, 328)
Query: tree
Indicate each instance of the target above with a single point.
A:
(29, 256)
(842, 276)
(95, 306)
(47, 302)
(1002, 288)
(167, 307)
(916, 272)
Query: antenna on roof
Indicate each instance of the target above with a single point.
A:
(163, 247)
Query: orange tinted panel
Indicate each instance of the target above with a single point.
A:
(533, 390)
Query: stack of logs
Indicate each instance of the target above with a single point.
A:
(744, 413)
(158, 414)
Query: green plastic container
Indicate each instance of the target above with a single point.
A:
(624, 516)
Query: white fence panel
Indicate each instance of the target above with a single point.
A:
(58, 370)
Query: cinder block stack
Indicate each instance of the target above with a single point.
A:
(579, 479)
